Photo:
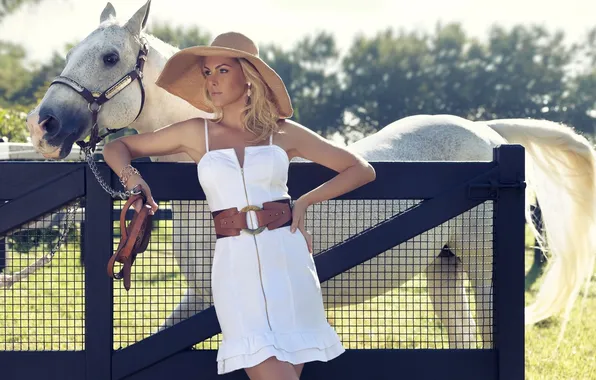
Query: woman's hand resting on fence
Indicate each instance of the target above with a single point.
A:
(136, 180)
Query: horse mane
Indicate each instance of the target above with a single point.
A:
(164, 48)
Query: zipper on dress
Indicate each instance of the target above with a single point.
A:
(258, 256)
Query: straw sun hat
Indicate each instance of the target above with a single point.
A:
(183, 77)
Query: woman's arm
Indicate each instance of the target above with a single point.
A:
(353, 171)
(181, 137)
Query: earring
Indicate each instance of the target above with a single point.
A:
(248, 93)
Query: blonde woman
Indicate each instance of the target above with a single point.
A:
(266, 292)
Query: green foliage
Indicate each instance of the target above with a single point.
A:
(520, 72)
(179, 36)
(13, 74)
(13, 125)
(314, 89)
(38, 238)
(9, 6)
(42, 76)
(578, 103)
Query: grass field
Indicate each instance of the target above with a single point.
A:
(46, 312)
(575, 357)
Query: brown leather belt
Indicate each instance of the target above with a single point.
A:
(272, 215)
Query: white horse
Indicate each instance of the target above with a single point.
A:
(560, 171)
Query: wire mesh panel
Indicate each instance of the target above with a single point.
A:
(42, 304)
(432, 291)
(418, 294)
(171, 280)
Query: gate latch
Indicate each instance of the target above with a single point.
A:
(491, 190)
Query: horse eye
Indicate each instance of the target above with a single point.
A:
(111, 59)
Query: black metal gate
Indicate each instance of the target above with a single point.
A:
(382, 341)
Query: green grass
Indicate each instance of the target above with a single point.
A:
(575, 357)
(46, 312)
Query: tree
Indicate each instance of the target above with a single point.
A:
(43, 75)
(180, 37)
(579, 101)
(517, 73)
(13, 124)
(14, 77)
(386, 78)
(524, 74)
(9, 6)
(307, 71)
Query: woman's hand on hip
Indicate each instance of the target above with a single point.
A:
(298, 218)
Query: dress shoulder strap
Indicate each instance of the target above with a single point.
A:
(206, 136)
(271, 139)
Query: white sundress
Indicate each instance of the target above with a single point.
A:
(266, 292)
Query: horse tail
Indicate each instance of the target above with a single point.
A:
(560, 170)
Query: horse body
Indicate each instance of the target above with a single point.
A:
(430, 138)
(555, 152)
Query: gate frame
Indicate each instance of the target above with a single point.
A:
(469, 183)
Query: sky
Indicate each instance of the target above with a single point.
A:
(48, 27)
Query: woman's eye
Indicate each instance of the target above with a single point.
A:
(207, 72)
(223, 71)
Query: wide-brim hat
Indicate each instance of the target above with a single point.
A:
(182, 76)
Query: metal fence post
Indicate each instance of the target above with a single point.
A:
(98, 286)
(509, 253)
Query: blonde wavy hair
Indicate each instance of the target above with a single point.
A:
(261, 114)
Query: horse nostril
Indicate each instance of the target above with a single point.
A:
(51, 126)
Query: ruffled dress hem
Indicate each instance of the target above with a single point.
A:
(294, 347)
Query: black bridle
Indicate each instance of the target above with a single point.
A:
(96, 99)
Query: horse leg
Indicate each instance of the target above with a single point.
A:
(445, 286)
(189, 305)
(479, 270)
(383, 273)
(474, 246)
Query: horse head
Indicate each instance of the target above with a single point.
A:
(102, 75)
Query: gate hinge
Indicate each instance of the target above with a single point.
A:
(491, 190)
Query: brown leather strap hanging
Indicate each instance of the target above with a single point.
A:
(135, 239)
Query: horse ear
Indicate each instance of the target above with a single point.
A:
(108, 12)
(139, 20)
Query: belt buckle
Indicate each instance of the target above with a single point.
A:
(252, 231)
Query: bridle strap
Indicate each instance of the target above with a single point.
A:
(96, 99)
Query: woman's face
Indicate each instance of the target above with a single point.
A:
(225, 80)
